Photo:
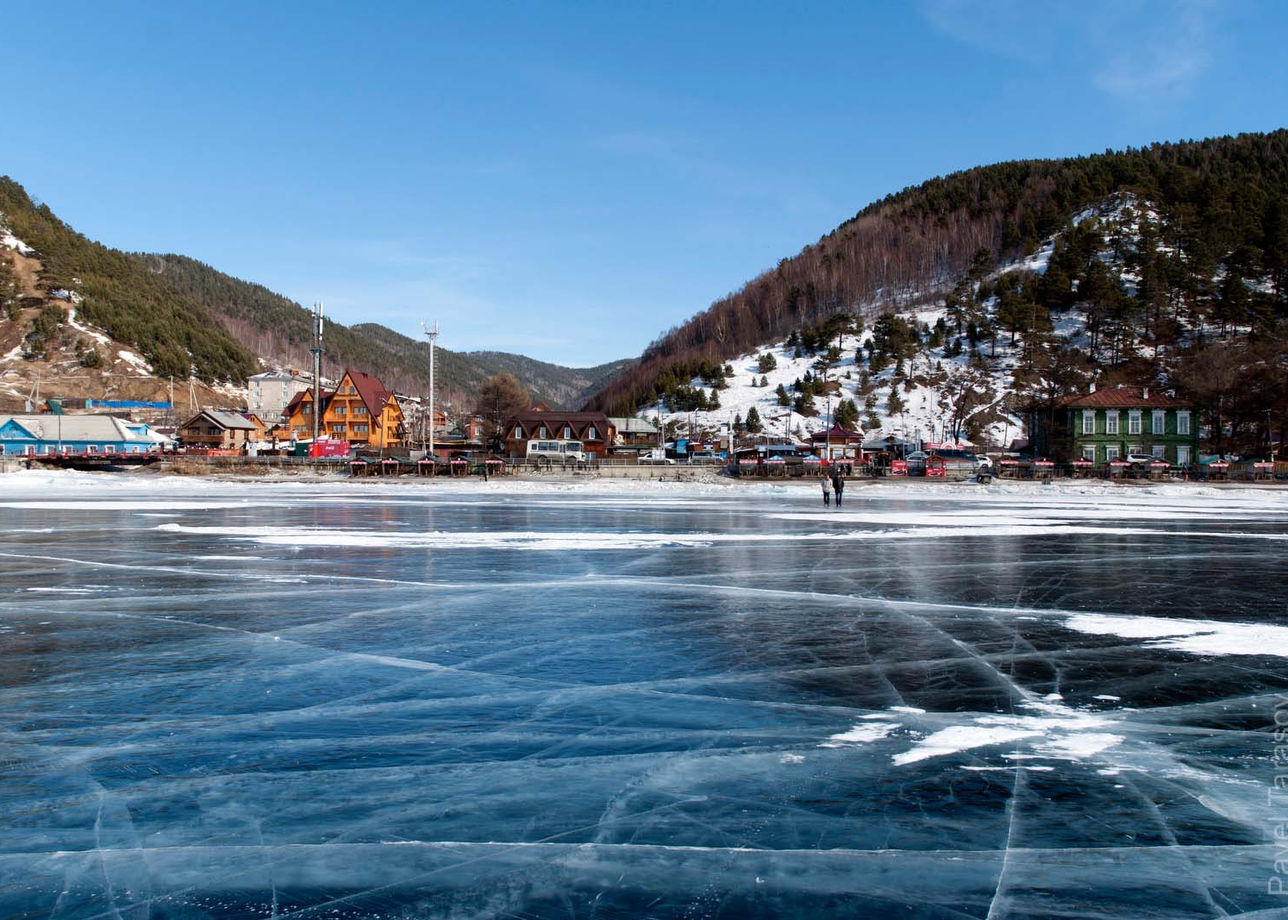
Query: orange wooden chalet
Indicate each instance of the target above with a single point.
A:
(593, 429)
(359, 410)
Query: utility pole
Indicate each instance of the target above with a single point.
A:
(1270, 438)
(432, 335)
(827, 435)
(317, 371)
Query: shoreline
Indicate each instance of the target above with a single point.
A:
(705, 479)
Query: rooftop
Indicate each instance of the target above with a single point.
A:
(1123, 396)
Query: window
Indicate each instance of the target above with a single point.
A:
(306, 410)
(1159, 451)
(1159, 425)
(1135, 449)
(361, 428)
(1111, 452)
(1133, 421)
(341, 410)
(567, 433)
(1182, 455)
(518, 431)
(1111, 421)
(1183, 423)
(1089, 453)
(359, 410)
(542, 433)
(1088, 421)
(591, 434)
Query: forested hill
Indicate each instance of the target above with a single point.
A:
(118, 294)
(552, 383)
(185, 317)
(1223, 214)
(281, 330)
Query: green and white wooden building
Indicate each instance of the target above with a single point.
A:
(1108, 424)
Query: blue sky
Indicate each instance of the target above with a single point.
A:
(569, 180)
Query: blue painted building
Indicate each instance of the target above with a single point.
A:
(27, 435)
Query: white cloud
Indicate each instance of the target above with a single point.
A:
(1163, 60)
(1142, 52)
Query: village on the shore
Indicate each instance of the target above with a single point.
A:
(358, 425)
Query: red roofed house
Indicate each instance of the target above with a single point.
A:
(1108, 424)
(593, 429)
(359, 410)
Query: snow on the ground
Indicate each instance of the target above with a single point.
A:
(927, 409)
(98, 336)
(9, 241)
(134, 360)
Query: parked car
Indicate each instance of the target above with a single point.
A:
(648, 461)
(1140, 458)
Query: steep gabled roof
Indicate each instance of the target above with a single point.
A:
(373, 392)
(307, 394)
(1123, 397)
(225, 420)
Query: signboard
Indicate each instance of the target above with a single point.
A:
(329, 448)
(898, 467)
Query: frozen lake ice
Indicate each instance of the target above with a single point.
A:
(367, 700)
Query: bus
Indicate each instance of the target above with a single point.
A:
(557, 450)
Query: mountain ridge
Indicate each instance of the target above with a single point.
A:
(1223, 200)
(181, 317)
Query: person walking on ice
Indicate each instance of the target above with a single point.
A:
(827, 491)
(838, 486)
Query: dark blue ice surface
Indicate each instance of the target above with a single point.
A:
(430, 701)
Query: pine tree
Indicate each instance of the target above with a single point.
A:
(783, 398)
(846, 414)
(894, 402)
(753, 423)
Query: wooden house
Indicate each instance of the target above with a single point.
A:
(212, 429)
(593, 429)
(359, 410)
(1108, 424)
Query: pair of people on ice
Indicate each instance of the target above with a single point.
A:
(834, 483)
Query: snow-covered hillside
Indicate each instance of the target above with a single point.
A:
(944, 371)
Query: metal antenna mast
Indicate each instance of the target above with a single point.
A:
(432, 335)
(317, 371)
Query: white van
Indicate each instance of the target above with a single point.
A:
(557, 450)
